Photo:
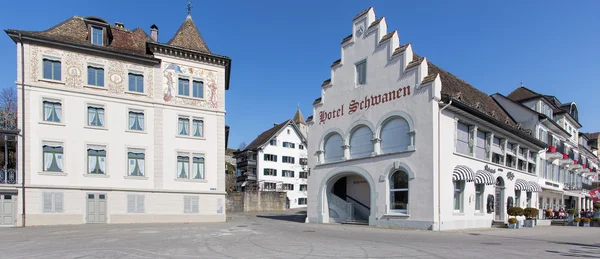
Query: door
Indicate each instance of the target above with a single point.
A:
(498, 204)
(96, 208)
(7, 210)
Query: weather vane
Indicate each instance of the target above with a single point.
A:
(189, 7)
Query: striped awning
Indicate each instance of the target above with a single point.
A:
(521, 185)
(535, 187)
(484, 177)
(463, 173)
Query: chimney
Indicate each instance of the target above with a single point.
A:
(154, 32)
(275, 124)
(119, 25)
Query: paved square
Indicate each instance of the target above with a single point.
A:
(273, 235)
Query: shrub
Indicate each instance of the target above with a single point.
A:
(577, 220)
(586, 220)
(571, 211)
(512, 220)
(530, 213)
(515, 211)
(597, 206)
(596, 219)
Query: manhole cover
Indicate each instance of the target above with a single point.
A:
(242, 226)
(491, 244)
(308, 231)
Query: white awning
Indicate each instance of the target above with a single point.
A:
(484, 177)
(521, 185)
(535, 187)
(463, 173)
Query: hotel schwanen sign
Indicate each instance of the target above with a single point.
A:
(364, 104)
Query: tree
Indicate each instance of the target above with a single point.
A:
(8, 99)
(242, 146)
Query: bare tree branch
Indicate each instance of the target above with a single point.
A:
(8, 99)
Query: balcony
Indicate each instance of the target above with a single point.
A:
(553, 152)
(246, 163)
(8, 177)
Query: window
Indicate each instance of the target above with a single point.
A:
(96, 160)
(97, 38)
(458, 195)
(301, 147)
(288, 186)
(288, 159)
(271, 172)
(521, 165)
(289, 145)
(509, 147)
(184, 87)
(462, 139)
(269, 157)
(95, 76)
(191, 204)
(135, 163)
(303, 175)
(360, 142)
(136, 83)
(287, 173)
(496, 142)
(183, 166)
(197, 170)
(497, 159)
(303, 187)
(518, 198)
(394, 136)
(53, 202)
(136, 120)
(52, 111)
(269, 186)
(480, 151)
(135, 203)
(273, 142)
(510, 161)
(479, 189)
(543, 135)
(197, 89)
(301, 201)
(333, 148)
(198, 127)
(399, 192)
(531, 168)
(52, 69)
(545, 169)
(184, 126)
(361, 72)
(53, 157)
(529, 199)
(95, 116)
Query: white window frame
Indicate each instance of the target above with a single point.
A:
(106, 167)
(303, 189)
(136, 203)
(145, 168)
(460, 198)
(284, 173)
(191, 204)
(189, 177)
(480, 198)
(285, 186)
(136, 110)
(357, 73)
(92, 35)
(270, 183)
(139, 73)
(95, 65)
(53, 143)
(41, 72)
(188, 86)
(390, 191)
(54, 196)
(43, 120)
(303, 199)
(192, 80)
(87, 114)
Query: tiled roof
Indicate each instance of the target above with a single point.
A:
(266, 136)
(298, 118)
(362, 13)
(416, 61)
(75, 30)
(376, 22)
(309, 119)
(387, 36)
(592, 135)
(522, 93)
(318, 100)
(401, 49)
(429, 78)
(335, 63)
(188, 37)
(349, 37)
(326, 82)
(466, 93)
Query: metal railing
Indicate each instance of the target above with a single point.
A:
(8, 176)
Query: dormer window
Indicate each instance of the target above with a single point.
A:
(97, 36)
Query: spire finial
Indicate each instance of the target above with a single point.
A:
(298, 104)
(189, 7)
(521, 83)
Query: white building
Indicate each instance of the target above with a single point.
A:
(119, 127)
(276, 161)
(398, 141)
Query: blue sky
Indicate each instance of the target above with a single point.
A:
(282, 50)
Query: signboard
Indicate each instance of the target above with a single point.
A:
(595, 195)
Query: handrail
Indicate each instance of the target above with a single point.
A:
(360, 203)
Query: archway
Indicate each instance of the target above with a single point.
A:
(346, 197)
(499, 199)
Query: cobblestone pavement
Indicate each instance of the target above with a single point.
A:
(277, 235)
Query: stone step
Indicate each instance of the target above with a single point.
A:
(356, 222)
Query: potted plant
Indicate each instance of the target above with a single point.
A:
(595, 222)
(576, 222)
(514, 212)
(530, 216)
(512, 223)
(571, 213)
(586, 222)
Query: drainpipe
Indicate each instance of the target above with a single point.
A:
(23, 126)
(439, 205)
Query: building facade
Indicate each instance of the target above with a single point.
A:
(277, 161)
(397, 141)
(119, 127)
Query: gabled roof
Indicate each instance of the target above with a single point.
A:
(522, 94)
(188, 37)
(75, 31)
(298, 118)
(269, 134)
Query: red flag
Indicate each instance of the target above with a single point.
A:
(595, 195)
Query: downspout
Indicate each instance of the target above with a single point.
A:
(23, 126)
(439, 205)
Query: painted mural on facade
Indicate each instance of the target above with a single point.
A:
(209, 78)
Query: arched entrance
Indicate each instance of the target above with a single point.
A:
(499, 199)
(346, 197)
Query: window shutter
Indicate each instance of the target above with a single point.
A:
(140, 203)
(58, 202)
(333, 148)
(394, 136)
(186, 204)
(360, 142)
(130, 203)
(47, 200)
(195, 204)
